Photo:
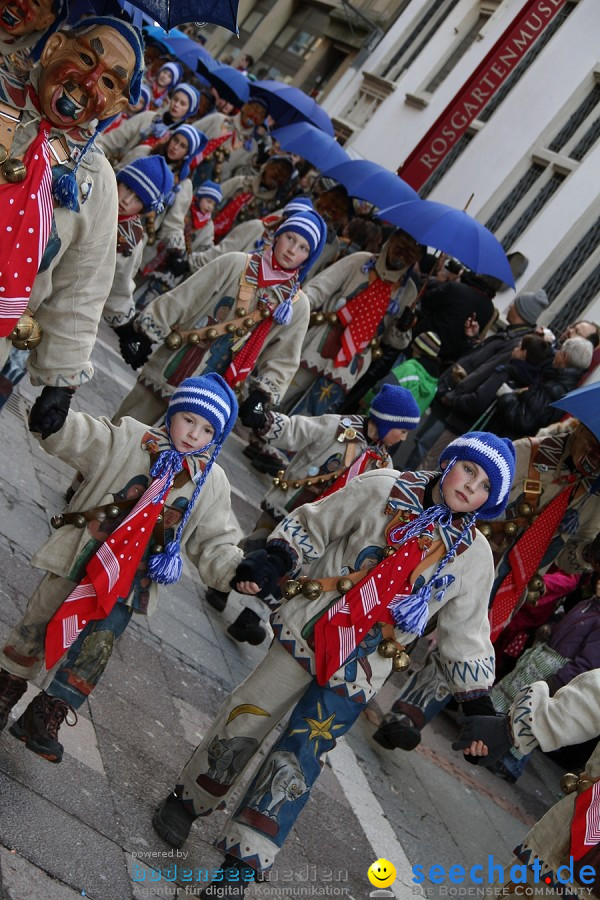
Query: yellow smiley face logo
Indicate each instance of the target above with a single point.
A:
(381, 873)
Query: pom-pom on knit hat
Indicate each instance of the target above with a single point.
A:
(394, 407)
(193, 96)
(211, 397)
(150, 179)
(496, 456)
(210, 189)
(176, 70)
(313, 229)
(429, 343)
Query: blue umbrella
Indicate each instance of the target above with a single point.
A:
(289, 104)
(231, 84)
(180, 45)
(584, 404)
(169, 13)
(454, 232)
(371, 182)
(308, 142)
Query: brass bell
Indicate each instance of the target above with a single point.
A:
(212, 333)
(309, 483)
(344, 585)
(156, 548)
(3, 154)
(284, 485)
(265, 313)
(79, 520)
(193, 338)
(291, 589)
(56, 521)
(510, 529)
(332, 318)
(569, 783)
(280, 473)
(240, 311)
(22, 329)
(112, 512)
(240, 332)
(276, 481)
(388, 648)
(319, 318)
(374, 342)
(312, 590)
(296, 484)
(173, 341)
(525, 509)
(486, 530)
(389, 551)
(377, 353)
(14, 170)
(159, 519)
(249, 322)
(230, 328)
(536, 584)
(401, 662)
(584, 783)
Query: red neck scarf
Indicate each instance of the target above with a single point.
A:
(225, 220)
(199, 219)
(362, 315)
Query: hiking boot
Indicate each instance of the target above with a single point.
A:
(172, 821)
(39, 724)
(12, 689)
(216, 599)
(236, 876)
(247, 628)
(398, 734)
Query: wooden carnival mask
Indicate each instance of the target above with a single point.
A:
(21, 17)
(85, 76)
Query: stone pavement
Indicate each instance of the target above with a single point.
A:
(83, 827)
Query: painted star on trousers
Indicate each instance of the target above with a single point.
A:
(325, 392)
(319, 729)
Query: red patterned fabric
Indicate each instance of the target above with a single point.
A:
(342, 627)
(245, 359)
(362, 316)
(225, 220)
(357, 468)
(585, 826)
(199, 219)
(27, 210)
(524, 559)
(108, 575)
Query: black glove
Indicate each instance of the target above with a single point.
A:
(494, 731)
(266, 568)
(135, 347)
(177, 263)
(253, 411)
(49, 411)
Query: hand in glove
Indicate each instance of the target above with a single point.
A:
(49, 411)
(253, 411)
(495, 733)
(177, 263)
(264, 568)
(135, 347)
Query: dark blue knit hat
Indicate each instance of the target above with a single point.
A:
(210, 189)
(151, 179)
(496, 456)
(394, 407)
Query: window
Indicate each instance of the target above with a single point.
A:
(431, 19)
(302, 43)
(576, 281)
(251, 21)
(285, 36)
(458, 52)
(461, 144)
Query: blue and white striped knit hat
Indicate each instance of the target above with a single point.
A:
(394, 407)
(146, 93)
(197, 141)
(311, 226)
(496, 456)
(211, 397)
(210, 189)
(151, 179)
(193, 96)
(297, 205)
(176, 70)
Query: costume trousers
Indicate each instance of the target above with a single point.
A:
(281, 787)
(82, 666)
(423, 696)
(143, 405)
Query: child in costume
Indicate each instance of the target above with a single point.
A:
(167, 79)
(240, 315)
(328, 452)
(142, 187)
(116, 541)
(383, 556)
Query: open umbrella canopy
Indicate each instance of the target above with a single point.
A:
(231, 84)
(180, 45)
(454, 232)
(169, 13)
(318, 148)
(371, 182)
(289, 104)
(584, 404)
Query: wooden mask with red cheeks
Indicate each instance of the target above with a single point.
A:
(85, 76)
(21, 17)
(333, 206)
(252, 114)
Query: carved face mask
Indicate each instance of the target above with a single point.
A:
(21, 17)
(585, 452)
(85, 77)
